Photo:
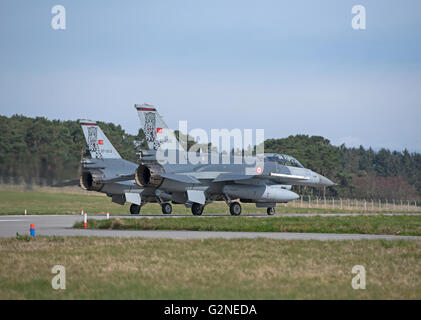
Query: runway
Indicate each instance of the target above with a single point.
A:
(61, 225)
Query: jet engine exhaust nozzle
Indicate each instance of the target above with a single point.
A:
(149, 176)
(91, 180)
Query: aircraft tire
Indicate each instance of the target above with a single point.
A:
(235, 208)
(271, 211)
(166, 208)
(134, 209)
(197, 209)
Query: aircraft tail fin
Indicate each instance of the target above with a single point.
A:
(156, 130)
(99, 145)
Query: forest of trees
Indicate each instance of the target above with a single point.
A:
(41, 151)
(359, 172)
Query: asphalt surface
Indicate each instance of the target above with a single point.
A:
(61, 225)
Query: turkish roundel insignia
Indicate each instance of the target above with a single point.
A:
(158, 130)
(101, 142)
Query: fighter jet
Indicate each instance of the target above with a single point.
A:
(196, 185)
(103, 170)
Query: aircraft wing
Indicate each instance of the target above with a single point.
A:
(278, 177)
(170, 176)
(180, 178)
(121, 177)
(232, 177)
(176, 177)
(76, 182)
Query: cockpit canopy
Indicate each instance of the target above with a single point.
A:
(283, 159)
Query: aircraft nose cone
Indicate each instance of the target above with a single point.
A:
(326, 182)
(295, 196)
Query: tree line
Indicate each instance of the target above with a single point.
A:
(359, 172)
(42, 151)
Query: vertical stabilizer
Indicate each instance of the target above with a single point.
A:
(99, 145)
(156, 131)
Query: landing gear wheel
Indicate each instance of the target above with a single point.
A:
(166, 208)
(271, 211)
(134, 209)
(235, 208)
(197, 209)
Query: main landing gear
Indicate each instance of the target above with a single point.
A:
(271, 211)
(197, 209)
(235, 208)
(166, 208)
(134, 209)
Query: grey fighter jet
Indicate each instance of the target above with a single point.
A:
(196, 185)
(103, 170)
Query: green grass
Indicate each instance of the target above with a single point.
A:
(116, 268)
(55, 201)
(38, 202)
(392, 225)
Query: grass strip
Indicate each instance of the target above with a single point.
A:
(121, 268)
(380, 224)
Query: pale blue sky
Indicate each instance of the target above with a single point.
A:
(289, 67)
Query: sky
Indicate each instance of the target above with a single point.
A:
(288, 67)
